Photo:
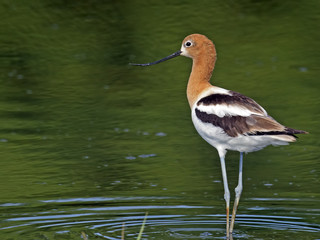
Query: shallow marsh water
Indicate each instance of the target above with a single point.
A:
(88, 143)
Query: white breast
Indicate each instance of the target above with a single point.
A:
(215, 136)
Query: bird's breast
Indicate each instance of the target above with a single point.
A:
(209, 131)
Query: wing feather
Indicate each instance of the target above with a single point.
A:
(234, 104)
(238, 115)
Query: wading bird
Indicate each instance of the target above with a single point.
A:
(227, 120)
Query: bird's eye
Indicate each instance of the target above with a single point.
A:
(188, 44)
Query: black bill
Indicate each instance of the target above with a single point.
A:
(176, 54)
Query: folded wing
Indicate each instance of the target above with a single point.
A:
(238, 115)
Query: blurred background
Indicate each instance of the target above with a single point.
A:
(88, 143)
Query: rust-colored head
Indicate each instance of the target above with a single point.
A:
(196, 45)
(193, 46)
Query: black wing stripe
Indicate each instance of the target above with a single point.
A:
(232, 125)
(234, 99)
(238, 125)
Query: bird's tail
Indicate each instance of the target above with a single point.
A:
(291, 131)
(288, 135)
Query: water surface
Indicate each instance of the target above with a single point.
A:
(89, 144)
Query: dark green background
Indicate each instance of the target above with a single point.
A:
(88, 143)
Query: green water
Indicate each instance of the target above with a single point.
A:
(88, 143)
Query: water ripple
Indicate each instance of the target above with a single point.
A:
(104, 217)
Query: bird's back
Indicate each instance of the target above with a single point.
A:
(230, 120)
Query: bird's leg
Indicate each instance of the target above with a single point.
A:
(226, 191)
(238, 191)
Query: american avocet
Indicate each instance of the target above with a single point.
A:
(225, 119)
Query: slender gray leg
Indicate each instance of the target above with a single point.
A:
(238, 191)
(226, 189)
